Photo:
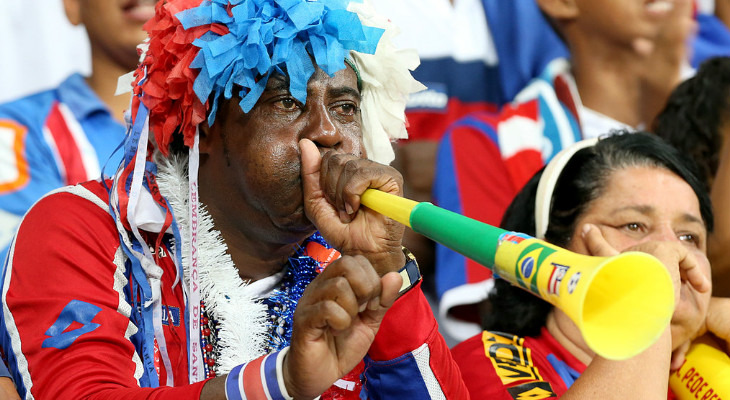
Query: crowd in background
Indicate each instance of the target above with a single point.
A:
(508, 85)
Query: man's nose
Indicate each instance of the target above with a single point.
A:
(322, 129)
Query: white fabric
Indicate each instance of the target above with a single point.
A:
(470, 293)
(437, 29)
(705, 6)
(386, 85)
(595, 124)
(422, 355)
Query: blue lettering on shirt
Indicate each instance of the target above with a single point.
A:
(75, 311)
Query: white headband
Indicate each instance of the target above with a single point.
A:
(548, 180)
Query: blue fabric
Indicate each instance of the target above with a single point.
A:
(446, 75)
(4, 373)
(525, 43)
(399, 378)
(567, 374)
(713, 40)
(102, 131)
(264, 37)
(446, 194)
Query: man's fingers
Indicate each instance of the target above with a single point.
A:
(390, 283)
(327, 314)
(378, 306)
(596, 243)
(344, 177)
(352, 284)
(311, 159)
(361, 279)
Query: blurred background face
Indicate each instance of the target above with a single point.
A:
(623, 21)
(641, 204)
(114, 26)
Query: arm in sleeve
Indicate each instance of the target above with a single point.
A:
(409, 358)
(65, 322)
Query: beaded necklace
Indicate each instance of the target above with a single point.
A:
(301, 270)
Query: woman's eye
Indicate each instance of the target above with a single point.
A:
(633, 226)
(688, 237)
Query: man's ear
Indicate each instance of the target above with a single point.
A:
(73, 11)
(559, 10)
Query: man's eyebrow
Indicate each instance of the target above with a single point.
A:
(344, 91)
(278, 83)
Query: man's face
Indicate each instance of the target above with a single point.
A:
(114, 26)
(250, 164)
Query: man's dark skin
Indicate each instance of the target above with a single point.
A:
(269, 179)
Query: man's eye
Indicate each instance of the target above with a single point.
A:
(633, 226)
(349, 109)
(287, 104)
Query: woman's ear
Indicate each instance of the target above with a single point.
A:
(73, 11)
(559, 10)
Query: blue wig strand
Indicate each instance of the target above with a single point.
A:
(267, 36)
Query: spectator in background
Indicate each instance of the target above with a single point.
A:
(628, 192)
(66, 135)
(625, 58)
(500, 46)
(696, 120)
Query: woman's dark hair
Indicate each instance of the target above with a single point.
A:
(583, 180)
(695, 112)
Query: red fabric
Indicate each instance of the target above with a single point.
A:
(484, 185)
(168, 85)
(77, 248)
(253, 386)
(520, 365)
(431, 125)
(67, 147)
(403, 316)
(562, 91)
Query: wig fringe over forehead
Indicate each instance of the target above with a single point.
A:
(200, 50)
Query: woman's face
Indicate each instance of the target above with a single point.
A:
(641, 204)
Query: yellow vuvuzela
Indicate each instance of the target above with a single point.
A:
(621, 304)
